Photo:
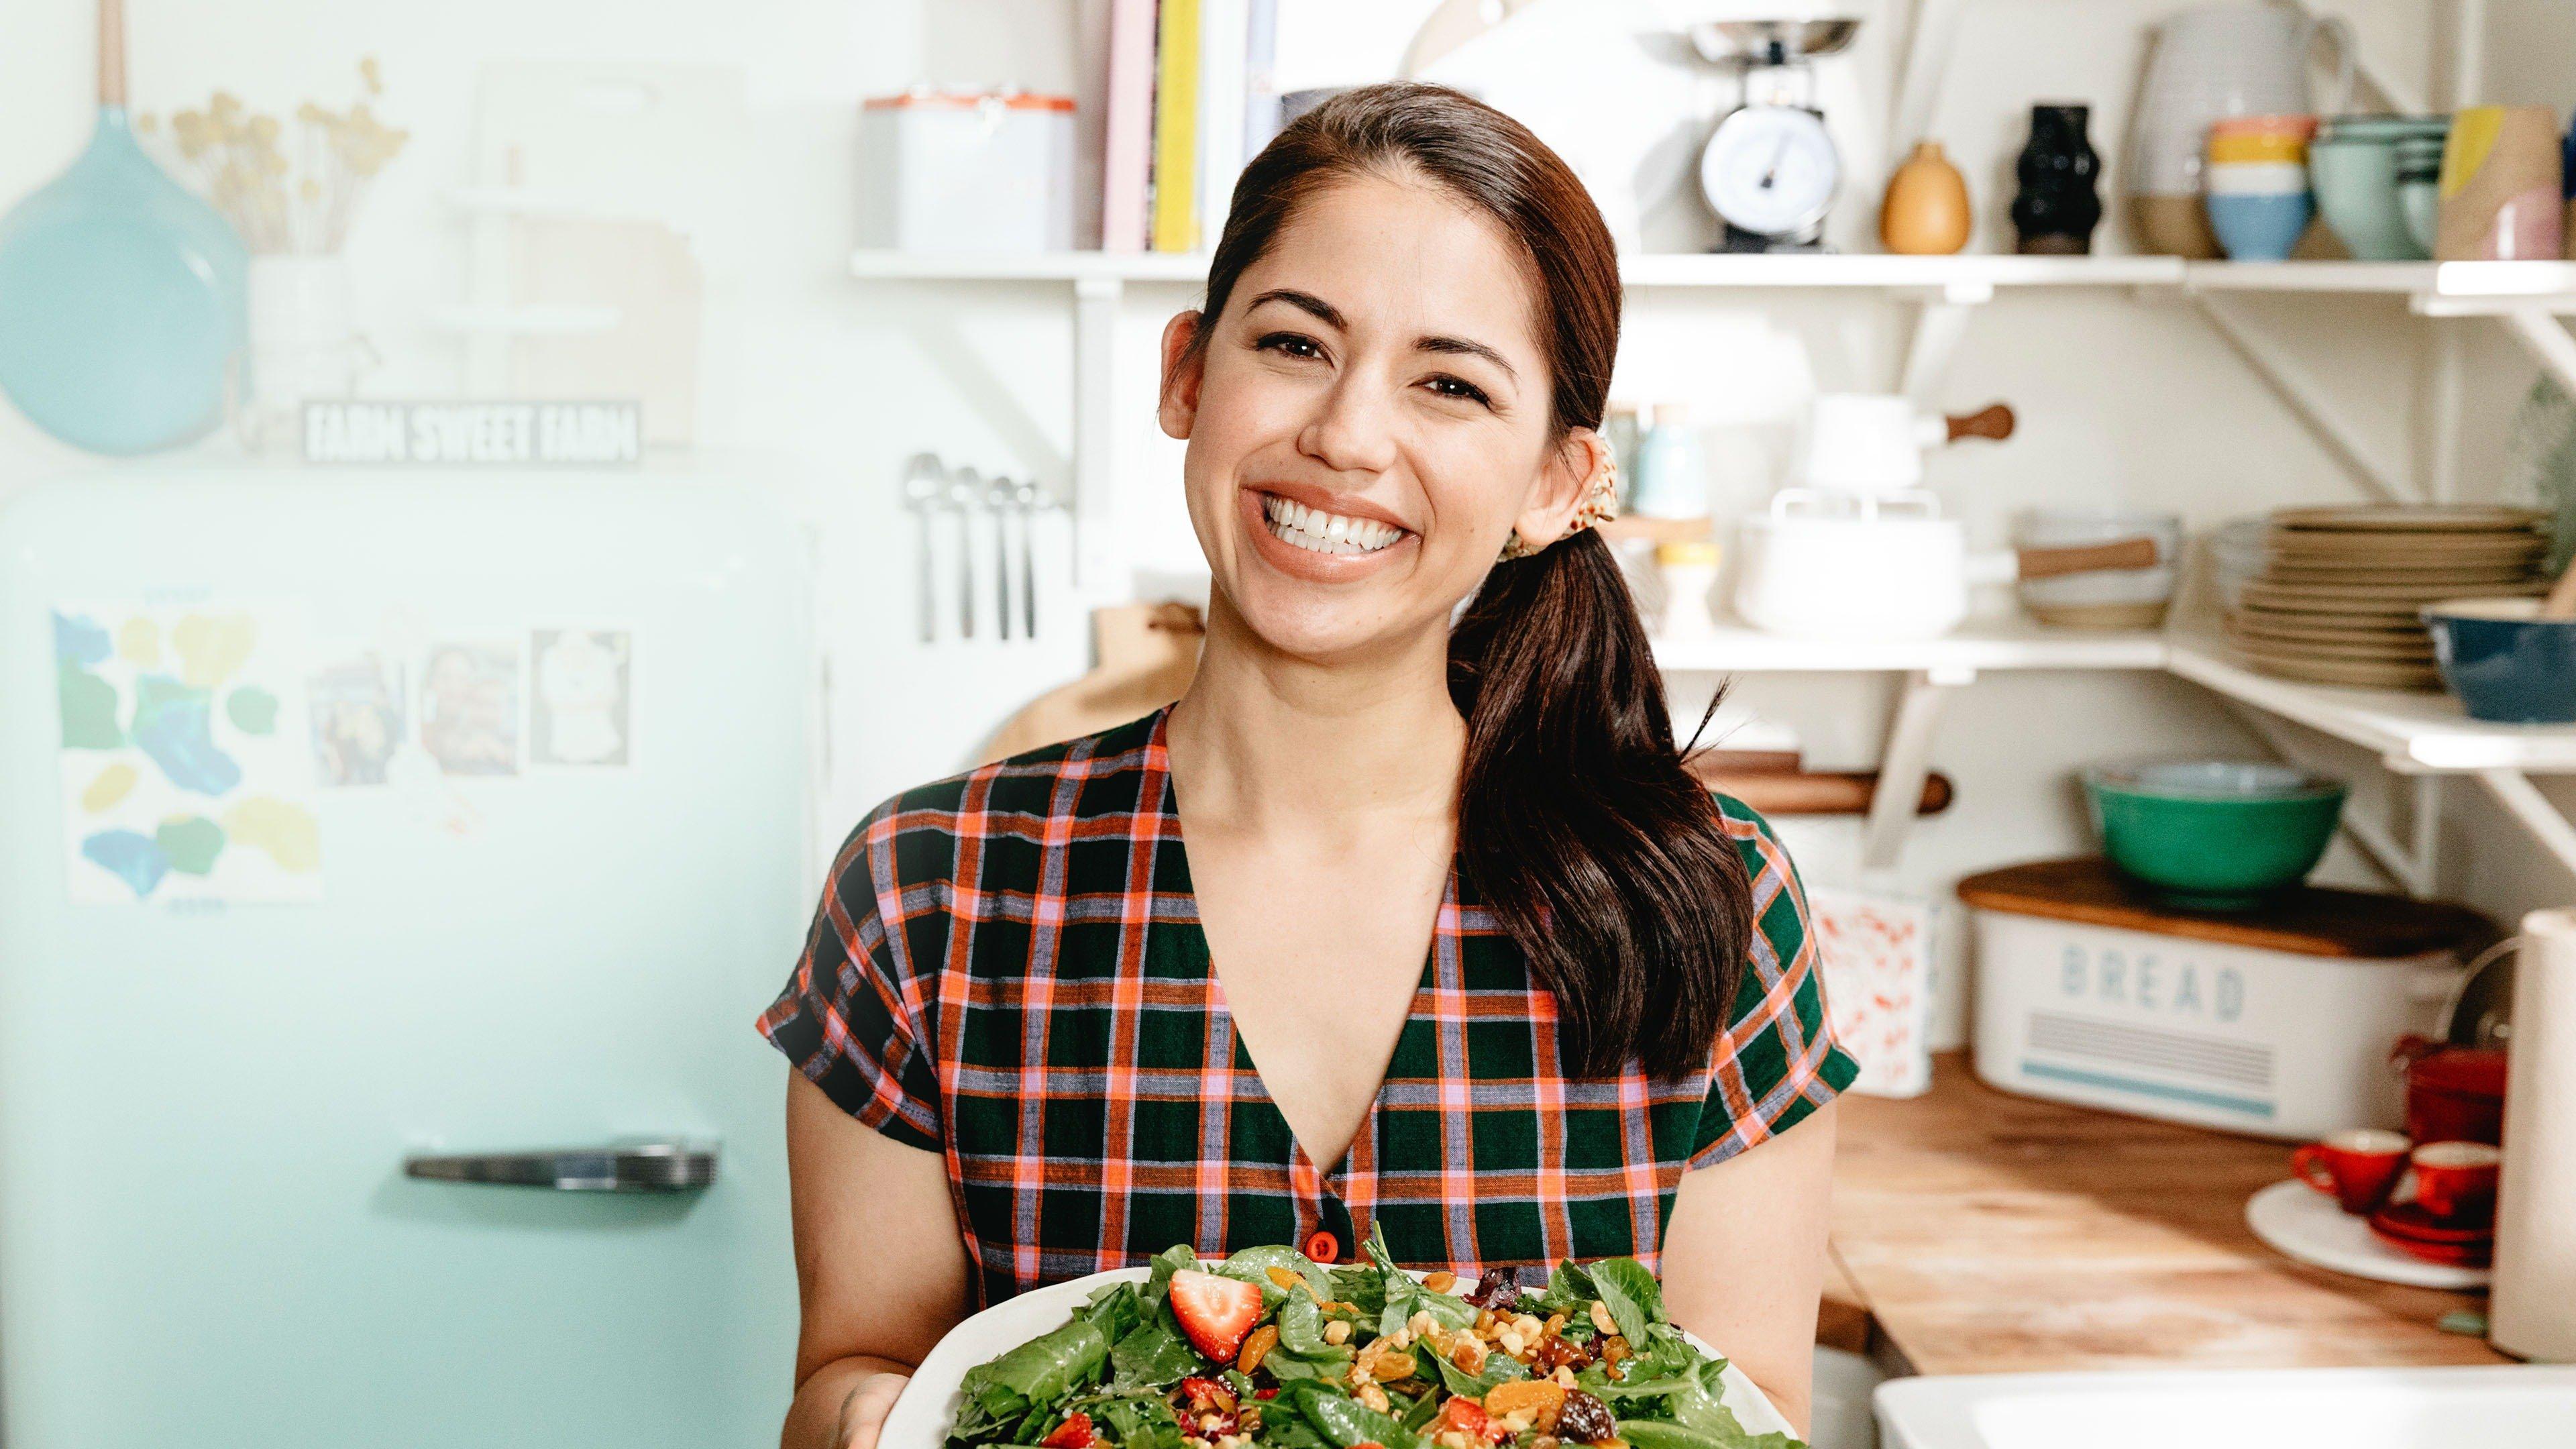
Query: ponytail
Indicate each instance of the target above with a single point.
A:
(1578, 824)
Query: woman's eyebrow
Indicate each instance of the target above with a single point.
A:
(1462, 347)
(1307, 302)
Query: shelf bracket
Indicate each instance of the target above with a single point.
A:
(2411, 867)
(2546, 340)
(2514, 790)
(1940, 320)
(1904, 763)
(1924, 48)
(2393, 95)
(2306, 402)
(1095, 356)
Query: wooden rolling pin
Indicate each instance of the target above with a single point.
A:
(1815, 792)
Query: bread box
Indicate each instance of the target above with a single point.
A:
(2275, 1021)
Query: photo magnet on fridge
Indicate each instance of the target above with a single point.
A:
(581, 703)
(469, 707)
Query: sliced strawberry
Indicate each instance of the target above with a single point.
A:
(1469, 1418)
(1073, 1433)
(1217, 1313)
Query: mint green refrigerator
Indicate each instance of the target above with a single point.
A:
(391, 867)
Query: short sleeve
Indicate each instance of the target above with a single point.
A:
(846, 1019)
(1778, 1061)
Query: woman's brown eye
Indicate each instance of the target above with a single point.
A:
(1290, 343)
(1458, 387)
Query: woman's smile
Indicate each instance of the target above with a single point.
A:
(1309, 533)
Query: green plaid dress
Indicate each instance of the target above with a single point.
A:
(1007, 969)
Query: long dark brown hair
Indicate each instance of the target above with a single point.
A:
(1577, 821)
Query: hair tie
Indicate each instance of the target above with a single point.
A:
(1600, 505)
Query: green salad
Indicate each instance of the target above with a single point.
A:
(1269, 1350)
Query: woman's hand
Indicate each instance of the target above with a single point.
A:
(863, 1413)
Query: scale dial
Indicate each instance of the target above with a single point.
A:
(1772, 171)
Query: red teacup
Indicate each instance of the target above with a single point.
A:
(2456, 1181)
(2355, 1167)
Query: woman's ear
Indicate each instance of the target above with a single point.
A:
(1182, 370)
(1563, 484)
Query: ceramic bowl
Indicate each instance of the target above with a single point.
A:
(2214, 834)
(2505, 664)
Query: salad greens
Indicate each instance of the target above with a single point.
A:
(1268, 1349)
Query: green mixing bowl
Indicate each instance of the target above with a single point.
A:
(2216, 834)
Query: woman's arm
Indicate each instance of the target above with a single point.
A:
(880, 1269)
(1744, 1258)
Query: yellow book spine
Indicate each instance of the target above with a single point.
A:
(1176, 119)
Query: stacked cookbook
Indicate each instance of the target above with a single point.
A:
(1190, 98)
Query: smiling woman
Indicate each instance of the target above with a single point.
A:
(1456, 949)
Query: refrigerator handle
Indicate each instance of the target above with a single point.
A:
(662, 1166)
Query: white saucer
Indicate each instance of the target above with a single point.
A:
(921, 1417)
(2303, 1223)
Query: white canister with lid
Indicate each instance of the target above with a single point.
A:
(949, 171)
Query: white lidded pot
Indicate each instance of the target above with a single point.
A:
(1823, 566)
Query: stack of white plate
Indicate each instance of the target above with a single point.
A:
(2340, 588)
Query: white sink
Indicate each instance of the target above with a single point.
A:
(2512, 1407)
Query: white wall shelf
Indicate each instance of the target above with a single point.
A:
(1980, 644)
(1655, 269)
(2417, 735)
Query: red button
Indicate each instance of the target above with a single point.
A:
(1322, 1247)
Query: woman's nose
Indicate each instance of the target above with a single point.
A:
(1350, 432)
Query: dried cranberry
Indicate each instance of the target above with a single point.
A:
(1496, 1289)
(1585, 1418)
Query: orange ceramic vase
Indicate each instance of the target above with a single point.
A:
(1926, 209)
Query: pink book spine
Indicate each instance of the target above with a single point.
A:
(1128, 155)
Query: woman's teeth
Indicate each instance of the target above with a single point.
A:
(1313, 528)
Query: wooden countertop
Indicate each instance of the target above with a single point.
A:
(1988, 1233)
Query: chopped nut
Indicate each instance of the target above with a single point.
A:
(1209, 1422)
(1564, 1377)
(1511, 1342)
(1401, 1338)
(1528, 1326)
(1485, 1320)
(1601, 1318)
(1263, 1339)
(1373, 1396)
(1337, 1332)
(1421, 1322)
(1514, 1423)
(1467, 1355)
(1543, 1441)
(1286, 1279)
(1195, 1442)
(1440, 1282)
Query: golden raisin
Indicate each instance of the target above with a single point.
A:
(1440, 1282)
(1467, 1355)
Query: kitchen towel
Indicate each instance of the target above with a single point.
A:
(2535, 1252)
(1877, 961)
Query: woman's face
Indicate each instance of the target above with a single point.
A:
(1370, 420)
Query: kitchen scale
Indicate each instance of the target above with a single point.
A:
(1770, 170)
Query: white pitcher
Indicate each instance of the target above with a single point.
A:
(2219, 61)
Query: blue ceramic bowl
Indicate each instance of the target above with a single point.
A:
(2259, 226)
(2506, 665)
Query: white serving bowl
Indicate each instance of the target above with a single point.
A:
(921, 1417)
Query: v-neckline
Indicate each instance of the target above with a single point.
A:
(1167, 805)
